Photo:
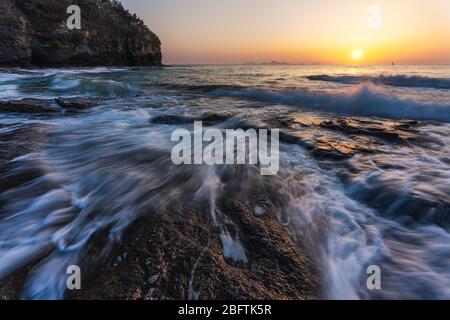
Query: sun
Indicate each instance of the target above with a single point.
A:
(357, 54)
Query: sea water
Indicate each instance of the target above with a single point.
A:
(103, 167)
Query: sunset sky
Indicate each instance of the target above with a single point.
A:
(319, 31)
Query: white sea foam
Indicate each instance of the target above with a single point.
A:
(411, 81)
(104, 168)
(232, 247)
(362, 100)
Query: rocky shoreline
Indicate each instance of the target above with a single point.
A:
(175, 253)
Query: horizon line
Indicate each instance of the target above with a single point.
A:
(303, 64)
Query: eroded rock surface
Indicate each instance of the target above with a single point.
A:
(342, 138)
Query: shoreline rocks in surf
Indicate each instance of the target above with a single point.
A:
(47, 106)
(177, 252)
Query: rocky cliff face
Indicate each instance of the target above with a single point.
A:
(34, 33)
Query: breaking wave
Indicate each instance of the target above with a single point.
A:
(102, 88)
(362, 100)
(390, 80)
(68, 84)
(103, 169)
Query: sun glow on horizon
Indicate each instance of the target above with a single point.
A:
(299, 31)
(357, 54)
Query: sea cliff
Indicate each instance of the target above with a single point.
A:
(35, 33)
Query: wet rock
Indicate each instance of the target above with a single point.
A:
(182, 246)
(15, 141)
(207, 119)
(28, 105)
(172, 119)
(342, 138)
(214, 118)
(48, 106)
(177, 253)
(34, 33)
(391, 130)
(335, 147)
(327, 145)
(76, 104)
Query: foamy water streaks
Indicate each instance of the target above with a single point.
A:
(362, 100)
(102, 169)
(413, 81)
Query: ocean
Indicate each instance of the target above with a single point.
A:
(364, 175)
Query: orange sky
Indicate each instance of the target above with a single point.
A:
(319, 31)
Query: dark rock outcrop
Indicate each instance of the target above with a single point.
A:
(48, 106)
(28, 105)
(34, 33)
(342, 138)
(76, 104)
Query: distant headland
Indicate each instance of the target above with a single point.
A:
(271, 63)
